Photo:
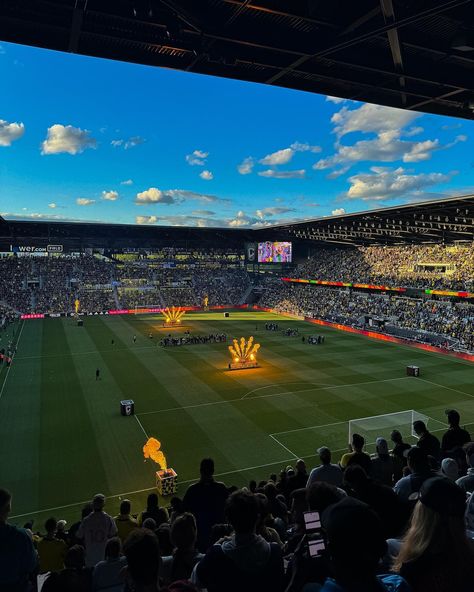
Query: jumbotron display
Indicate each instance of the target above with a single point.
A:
(274, 252)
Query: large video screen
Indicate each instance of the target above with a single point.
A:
(274, 252)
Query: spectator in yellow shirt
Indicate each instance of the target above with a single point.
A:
(51, 550)
(124, 522)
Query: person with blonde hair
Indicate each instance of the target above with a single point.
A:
(436, 554)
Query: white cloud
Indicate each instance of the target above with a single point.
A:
(420, 151)
(279, 157)
(84, 201)
(414, 131)
(385, 183)
(66, 138)
(270, 173)
(272, 211)
(184, 195)
(338, 212)
(304, 147)
(110, 195)
(52, 205)
(371, 118)
(153, 196)
(336, 100)
(9, 132)
(127, 182)
(246, 166)
(203, 213)
(146, 219)
(197, 158)
(241, 219)
(129, 143)
(206, 175)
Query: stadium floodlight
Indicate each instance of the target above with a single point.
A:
(382, 425)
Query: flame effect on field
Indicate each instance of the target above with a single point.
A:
(244, 351)
(152, 450)
(173, 315)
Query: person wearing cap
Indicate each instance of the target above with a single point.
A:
(357, 456)
(382, 463)
(327, 472)
(407, 488)
(466, 483)
(436, 553)
(95, 530)
(449, 469)
(455, 436)
(355, 544)
(426, 441)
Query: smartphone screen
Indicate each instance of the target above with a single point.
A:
(314, 535)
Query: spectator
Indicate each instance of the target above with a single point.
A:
(356, 544)
(142, 552)
(51, 550)
(159, 515)
(401, 448)
(124, 522)
(276, 503)
(392, 512)
(426, 441)
(450, 469)
(327, 471)
(466, 483)
(180, 564)
(206, 500)
(456, 436)
(17, 554)
(299, 479)
(265, 520)
(407, 488)
(357, 456)
(95, 530)
(436, 554)
(383, 468)
(72, 534)
(245, 561)
(75, 577)
(107, 575)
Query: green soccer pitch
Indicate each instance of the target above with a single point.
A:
(62, 438)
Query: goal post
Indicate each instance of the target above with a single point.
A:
(370, 428)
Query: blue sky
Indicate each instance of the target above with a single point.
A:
(89, 139)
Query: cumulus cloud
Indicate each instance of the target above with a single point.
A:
(146, 219)
(371, 118)
(172, 196)
(273, 211)
(52, 205)
(127, 182)
(110, 195)
(242, 219)
(279, 157)
(385, 183)
(153, 196)
(271, 173)
(128, 143)
(338, 212)
(9, 132)
(197, 158)
(206, 175)
(246, 166)
(67, 139)
(304, 147)
(84, 201)
(336, 100)
(203, 213)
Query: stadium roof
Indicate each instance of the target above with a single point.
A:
(412, 54)
(440, 221)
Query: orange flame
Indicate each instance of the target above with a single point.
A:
(152, 450)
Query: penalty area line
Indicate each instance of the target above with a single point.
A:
(141, 427)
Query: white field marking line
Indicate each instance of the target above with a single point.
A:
(282, 445)
(260, 388)
(325, 425)
(127, 493)
(11, 363)
(142, 428)
(447, 387)
(197, 405)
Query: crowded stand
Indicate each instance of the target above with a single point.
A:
(400, 519)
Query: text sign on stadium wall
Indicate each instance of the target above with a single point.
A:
(35, 249)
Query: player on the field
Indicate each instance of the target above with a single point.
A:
(97, 374)
(134, 339)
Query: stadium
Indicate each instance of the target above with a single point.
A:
(223, 406)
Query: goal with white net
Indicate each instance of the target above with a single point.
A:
(382, 425)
